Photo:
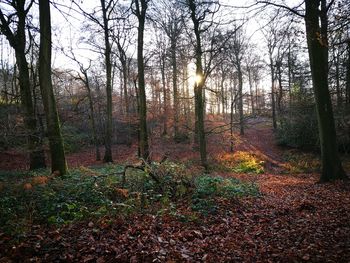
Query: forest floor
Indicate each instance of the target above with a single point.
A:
(293, 219)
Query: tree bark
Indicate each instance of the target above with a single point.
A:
(348, 75)
(251, 89)
(198, 88)
(289, 61)
(273, 98)
(240, 98)
(231, 126)
(223, 94)
(280, 87)
(18, 42)
(124, 71)
(58, 160)
(92, 116)
(175, 90)
(140, 11)
(164, 87)
(109, 127)
(337, 76)
(318, 53)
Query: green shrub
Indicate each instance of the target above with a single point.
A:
(249, 167)
(242, 162)
(208, 188)
(175, 178)
(87, 193)
(61, 200)
(298, 162)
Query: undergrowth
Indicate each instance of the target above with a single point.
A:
(242, 162)
(209, 188)
(34, 198)
(297, 162)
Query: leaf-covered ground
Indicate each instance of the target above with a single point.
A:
(295, 219)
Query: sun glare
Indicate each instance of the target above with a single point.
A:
(198, 79)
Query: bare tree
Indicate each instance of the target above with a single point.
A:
(316, 24)
(105, 7)
(106, 10)
(171, 21)
(238, 48)
(199, 11)
(139, 8)
(316, 21)
(58, 160)
(252, 61)
(84, 78)
(17, 40)
(272, 40)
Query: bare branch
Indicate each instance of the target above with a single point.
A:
(290, 9)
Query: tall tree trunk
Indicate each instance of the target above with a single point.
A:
(240, 98)
(14, 86)
(18, 42)
(257, 106)
(124, 71)
(273, 98)
(289, 74)
(124, 76)
(280, 88)
(58, 160)
(109, 125)
(337, 77)
(141, 7)
(5, 77)
(187, 102)
(138, 111)
(318, 53)
(250, 80)
(164, 87)
(175, 90)
(231, 119)
(36, 152)
(348, 75)
(223, 93)
(92, 117)
(198, 89)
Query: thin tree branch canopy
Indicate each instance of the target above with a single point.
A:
(294, 10)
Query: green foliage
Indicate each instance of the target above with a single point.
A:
(175, 179)
(61, 200)
(28, 199)
(250, 166)
(242, 162)
(209, 188)
(87, 192)
(297, 162)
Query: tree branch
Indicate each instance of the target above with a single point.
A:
(292, 10)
